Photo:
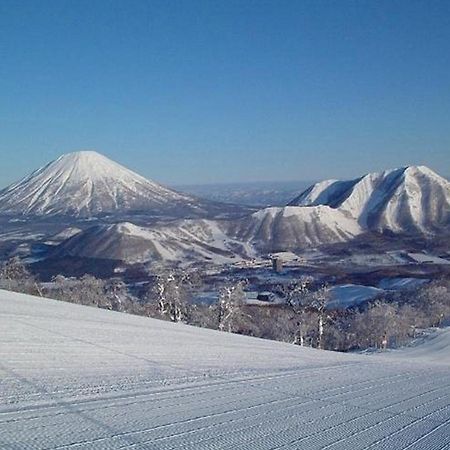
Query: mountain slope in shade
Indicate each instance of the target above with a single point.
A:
(85, 184)
(291, 227)
(409, 199)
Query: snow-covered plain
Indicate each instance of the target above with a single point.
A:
(74, 377)
(345, 295)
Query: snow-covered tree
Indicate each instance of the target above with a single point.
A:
(434, 299)
(231, 300)
(172, 292)
(306, 304)
(378, 323)
(296, 294)
(116, 293)
(87, 290)
(15, 276)
(319, 302)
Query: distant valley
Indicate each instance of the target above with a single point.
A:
(86, 212)
(258, 194)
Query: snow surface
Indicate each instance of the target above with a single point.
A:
(346, 295)
(400, 283)
(434, 347)
(423, 258)
(74, 377)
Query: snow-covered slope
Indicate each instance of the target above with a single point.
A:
(85, 184)
(434, 347)
(409, 199)
(74, 377)
(180, 241)
(291, 227)
(348, 295)
(184, 241)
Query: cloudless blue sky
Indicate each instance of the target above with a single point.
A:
(205, 91)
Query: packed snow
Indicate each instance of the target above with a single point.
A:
(433, 347)
(74, 377)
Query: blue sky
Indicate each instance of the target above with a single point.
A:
(215, 91)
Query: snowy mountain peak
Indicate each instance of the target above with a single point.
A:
(291, 228)
(126, 228)
(411, 171)
(85, 159)
(408, 199)
(85, 184)
(423, 169)
(82, 154)
(89, 165)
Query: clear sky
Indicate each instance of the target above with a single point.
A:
(210, 91)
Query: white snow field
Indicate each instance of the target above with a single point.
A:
(74, 377)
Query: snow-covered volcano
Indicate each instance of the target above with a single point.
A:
(85, 184)
(408, 199)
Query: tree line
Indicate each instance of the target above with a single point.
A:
(303, 318)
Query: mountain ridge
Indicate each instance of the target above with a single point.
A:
(407, 199)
